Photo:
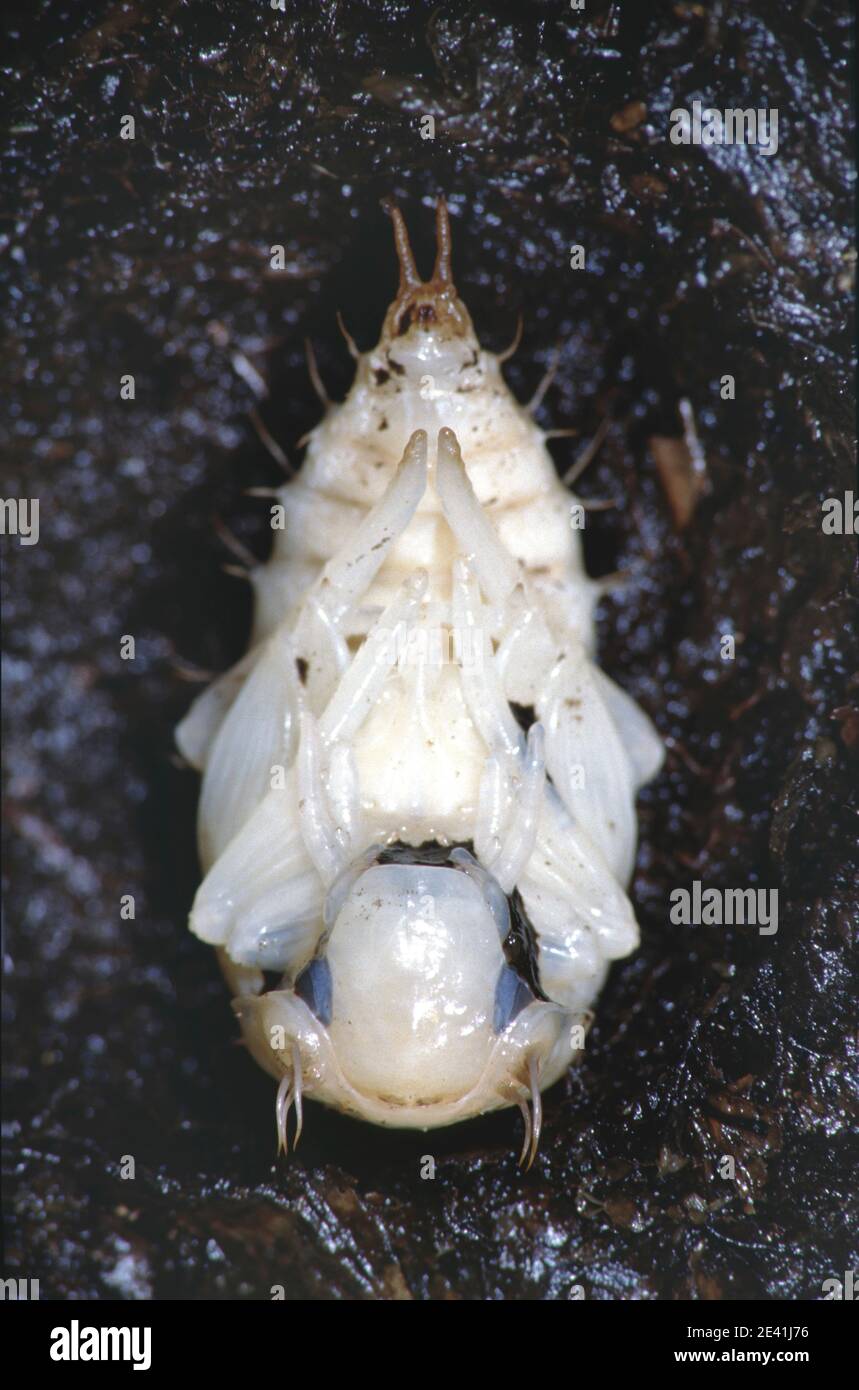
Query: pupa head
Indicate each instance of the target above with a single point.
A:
(427, 328)
(409, 1014)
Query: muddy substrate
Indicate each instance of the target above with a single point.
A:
(151, 257)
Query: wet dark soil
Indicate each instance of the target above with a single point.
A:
(152, 257)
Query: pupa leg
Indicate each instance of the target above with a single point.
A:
(262, 899)
(493, 808)
(327, 836)
(360, 685)
(326, 843)
(520, 835)
(481, 685)
(344, 791)
(318, 636)
(527, 650)
(323, 648)
(351, 571)
(495, 567)
(581, 917)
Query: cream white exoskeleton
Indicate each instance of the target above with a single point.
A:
(417, 812)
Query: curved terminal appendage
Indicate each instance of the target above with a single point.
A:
(533, 1118)
(289, 1092)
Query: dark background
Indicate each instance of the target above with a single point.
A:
(256, 128)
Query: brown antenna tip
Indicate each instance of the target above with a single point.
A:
(409, 278)
(441, 270)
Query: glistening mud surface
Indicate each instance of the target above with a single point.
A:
(253, 129)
